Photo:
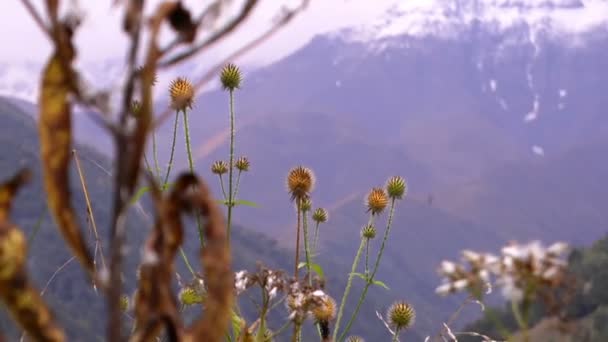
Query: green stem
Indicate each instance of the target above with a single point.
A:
(370, 279)
(155, 156)
(396, 336)
(315, 240)
(231, 165)
(366, 257)
(147, 163)
(236, 187)
(187, 262)
(222, 186)
(306, 250)
(348, 286)
(295, 270)
(170, 165)
(191, 164)
(520, 318)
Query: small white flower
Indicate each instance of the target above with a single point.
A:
(318, 293)
(461, 284)
(149, 257)
(447, 267)
(471, 256)
(444, 289)
(558, 248)
(272, 293)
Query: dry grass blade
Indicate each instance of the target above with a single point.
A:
(55, 130)
(21, 299)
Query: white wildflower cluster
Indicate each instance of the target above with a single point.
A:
(518, 266)
(303, 301)
(271, 281)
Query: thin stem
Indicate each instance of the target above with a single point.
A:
(231, 165)
(366, 257)
(191, 164)
(519, 317)
(370, 278)
(155, 156)
(306, 250)
(315, 239)
(348, 286)
(89, 208)
(36, 228)
(170, 165)
(280, 330)
(396, 336)
(295, 271)
(238, 182)
(187, 262)
(222, 186)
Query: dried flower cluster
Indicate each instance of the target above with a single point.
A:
(518, 268)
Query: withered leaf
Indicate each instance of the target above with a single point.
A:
(54, 128)
(22, 300)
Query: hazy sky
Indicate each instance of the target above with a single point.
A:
(101, 38)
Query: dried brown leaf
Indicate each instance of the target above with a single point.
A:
(22, 300)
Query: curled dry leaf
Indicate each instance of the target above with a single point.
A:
(55, 127)
(22, 300)
(156, 304)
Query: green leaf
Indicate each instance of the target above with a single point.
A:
(381, 284)
(143, 190)
(360, 275)
(315, 267)
(237, 323)
(240, 202)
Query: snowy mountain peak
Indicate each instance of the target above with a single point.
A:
(447, 18)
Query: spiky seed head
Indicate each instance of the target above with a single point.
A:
(300, 182)
(320, 215)
(377, 200)
(368, 232)
(124, 303)
(355, 339)
(189, 296)
(396, 187)
(140, 71)
(219, 167)
(401, 315)
(326, 311)
(306, 204)
(242, 164)
(231, 77)
(135, 108)
(182, 94)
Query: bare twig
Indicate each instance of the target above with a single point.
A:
(231, 26)
(37, 18)
(211, 74)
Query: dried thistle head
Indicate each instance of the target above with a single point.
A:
(326, 311)
(219, 167)
(401, 315)
(190, 296)
(368, 232)
(306, 204)
(231, 77)
(355, 339)
(140, 71)
(320, 215)
(396, 187)
(300, 182)
(242, 164)
(182, 94)
(376, 201)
